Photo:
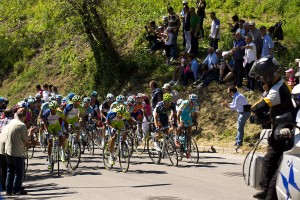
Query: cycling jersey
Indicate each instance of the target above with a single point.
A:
(105, 108)
(115, 122)
(54, 126)
(88, 110)
(44, 106)
(186, 112)
(95, 107)
(162, 112)
(116, 104)
(137, 112)
(72, 114)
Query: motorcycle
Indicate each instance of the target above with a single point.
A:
(288, 178)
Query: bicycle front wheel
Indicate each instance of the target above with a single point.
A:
(90, 142)
(193, 148)
(172, 152)
(153, 152)
(124, 157)
(74, 155)
(30, 151)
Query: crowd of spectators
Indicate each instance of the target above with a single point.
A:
(248, 45)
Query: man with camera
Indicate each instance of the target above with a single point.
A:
(277, 101)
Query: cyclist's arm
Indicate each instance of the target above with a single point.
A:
(155, 118)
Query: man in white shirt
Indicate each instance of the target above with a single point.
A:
(249, 58)
(239, 104)
(214, 35)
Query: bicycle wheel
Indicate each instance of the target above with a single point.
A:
(75, 154)
(25, 163)
(172, 151)
(194, 152)
(144, 144)
(83, 142)
(106, 157)
(154, 155)
(90, 142)
(130, 143)
(30, 151)
(124, 157)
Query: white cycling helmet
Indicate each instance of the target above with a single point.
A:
(110, 97)
(193, 97)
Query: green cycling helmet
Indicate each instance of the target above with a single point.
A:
(120, 110)
(167, 97)
(76, 98)
(53, 105)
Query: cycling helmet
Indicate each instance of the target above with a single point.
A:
(53, 105)
(193, 97)
(120, 110)
(52, 98)
(94, 94)
(38, 96)
(167, 97)
(110, 97)
(87, 99)
(64, 100)
(1, 100)
(179, 101)
(71, 95)
(58, 97)
(139, 95)
(31, 101)
(296, 96)
(120, 98)
(76, 98)
(131, 100)
(265, 69)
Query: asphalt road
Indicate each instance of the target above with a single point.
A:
(216, 177)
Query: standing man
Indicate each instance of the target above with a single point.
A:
(239, 104)
(3, 165)
(238, 52)
(182, 15)
(16, 138)
(249, 59)
(156, 95)
(174, 25)
(267, 43)
(201, 13)
(214, 35)
(175, 95)
(256, 37)
(195, 27)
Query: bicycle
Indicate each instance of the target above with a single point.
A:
(121, 152)
(44, 140)
(188, 146)
(55, 154)
(73, 150)
(99, 140)
(161, 144)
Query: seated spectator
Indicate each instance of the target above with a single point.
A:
(152, 31)
(226, 71)
(290, 77)
(234, 27)
(183, 57)
(207, 65)
(194, 65)
(187, 73)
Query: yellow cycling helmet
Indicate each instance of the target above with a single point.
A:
(167, 97)
(120, 110)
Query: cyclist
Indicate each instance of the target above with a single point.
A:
(120, 100)
(51, 118)
(115, 121)
(187, 116)
(88, 110)
(161, 119)
(95, 104)
(58, 98)
(73, 112)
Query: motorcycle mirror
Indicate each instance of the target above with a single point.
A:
(286, 118)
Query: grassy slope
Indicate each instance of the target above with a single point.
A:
(45, 43)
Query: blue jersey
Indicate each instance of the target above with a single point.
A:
(112, 116)
(89, 110)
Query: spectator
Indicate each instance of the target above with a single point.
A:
(267, 43)
(201, 13)
(187, 28)
(50, 89)
(2, 104)
(187, 73)
(234, 27)
(156, 95)
(183, 56)
(16, 137)
(238, 56)
(290, 77)
(195, 27)
(174, 25)
(45, 92)
(246, 29)
(239, 104)
(256, 37)
(3, 164)
(249, 59)
(151, 30)
(226, 71)
(214, 31)
(194, 66)
(182, 15)
(39, 90)
(207, 65)
(168, 36)
(175, 95)
(241, 27)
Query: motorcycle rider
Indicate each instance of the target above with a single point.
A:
(277, 102)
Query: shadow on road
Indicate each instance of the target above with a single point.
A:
(146, 172)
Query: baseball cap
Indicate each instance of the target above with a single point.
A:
(289, 70)
(166, 86)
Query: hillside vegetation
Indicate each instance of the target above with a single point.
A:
(85, 45)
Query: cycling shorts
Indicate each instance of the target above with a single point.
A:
(54, 129)
(186, 119)
(118, 125)
(164, 120)
(74, 122)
